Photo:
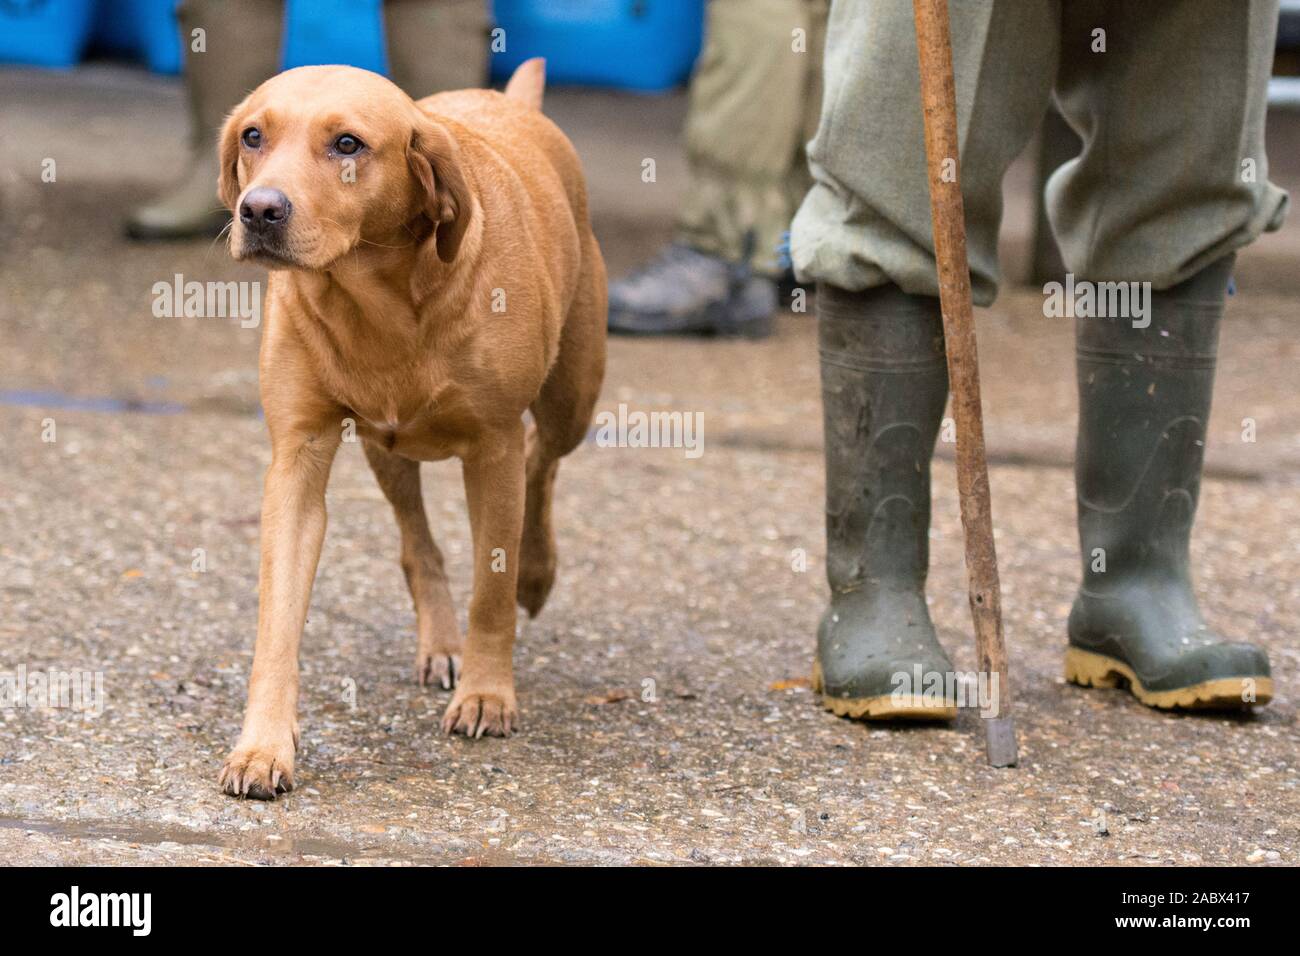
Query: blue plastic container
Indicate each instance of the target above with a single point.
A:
(645, 45)
(143, 29)
(114, 32)
(55, 33)
(334, 31)
(159, 38)
(51, 33)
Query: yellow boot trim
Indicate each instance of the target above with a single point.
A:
(884, 707)
(1097, 670)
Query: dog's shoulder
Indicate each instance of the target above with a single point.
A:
(487, 112)
(523, 137)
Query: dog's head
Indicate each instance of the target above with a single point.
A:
(322, 159)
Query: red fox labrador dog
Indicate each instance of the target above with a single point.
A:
(433, 275)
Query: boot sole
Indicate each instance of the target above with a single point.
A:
(884, 707)
(1224, 693)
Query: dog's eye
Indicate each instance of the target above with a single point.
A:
(252, 137)
(347, 144)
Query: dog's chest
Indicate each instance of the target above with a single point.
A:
(391, 393)
(425, 429)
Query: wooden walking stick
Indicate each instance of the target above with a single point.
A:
(939, 102)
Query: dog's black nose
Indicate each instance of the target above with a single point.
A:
(264, 209)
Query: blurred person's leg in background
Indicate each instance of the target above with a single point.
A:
(432, 45)
(242, 42)
(754, 101)
(436, 45)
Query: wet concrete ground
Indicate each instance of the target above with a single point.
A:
(667, 717)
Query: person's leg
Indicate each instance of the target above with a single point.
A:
(1173, 175)
(436, 45)
(884, 387)
(1172, 180)
(1144, 400)
(863, 233)
(241, 49)
(755, 88)
(866, 219)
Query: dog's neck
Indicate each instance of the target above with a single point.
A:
(389, 287)
(360, 293)
(371, 265)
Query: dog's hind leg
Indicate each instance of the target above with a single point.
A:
(561, 416)
(437, 656)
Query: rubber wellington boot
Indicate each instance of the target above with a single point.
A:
(1144, 400)
(884, 386)
(241, 49)
(436, 45)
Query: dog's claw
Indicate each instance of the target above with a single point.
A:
(437, 668)
(478, 715)
(257, 772)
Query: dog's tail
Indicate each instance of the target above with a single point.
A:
(528, 82)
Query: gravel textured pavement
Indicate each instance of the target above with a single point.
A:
(667, 714)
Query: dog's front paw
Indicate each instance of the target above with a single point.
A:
(475, 713)
(259, 769)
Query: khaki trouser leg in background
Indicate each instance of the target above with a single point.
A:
(242, 44)
(436, 45)
(754, 102)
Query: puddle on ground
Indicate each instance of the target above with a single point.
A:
(290, 846)
(76, 403)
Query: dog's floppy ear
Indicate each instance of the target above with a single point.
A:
(228, 157)
(435, 162)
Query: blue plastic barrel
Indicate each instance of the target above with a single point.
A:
(114, 32)
(139, 29)
(50, 33)
(646, 45)
(158, 35)
(334, 31)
